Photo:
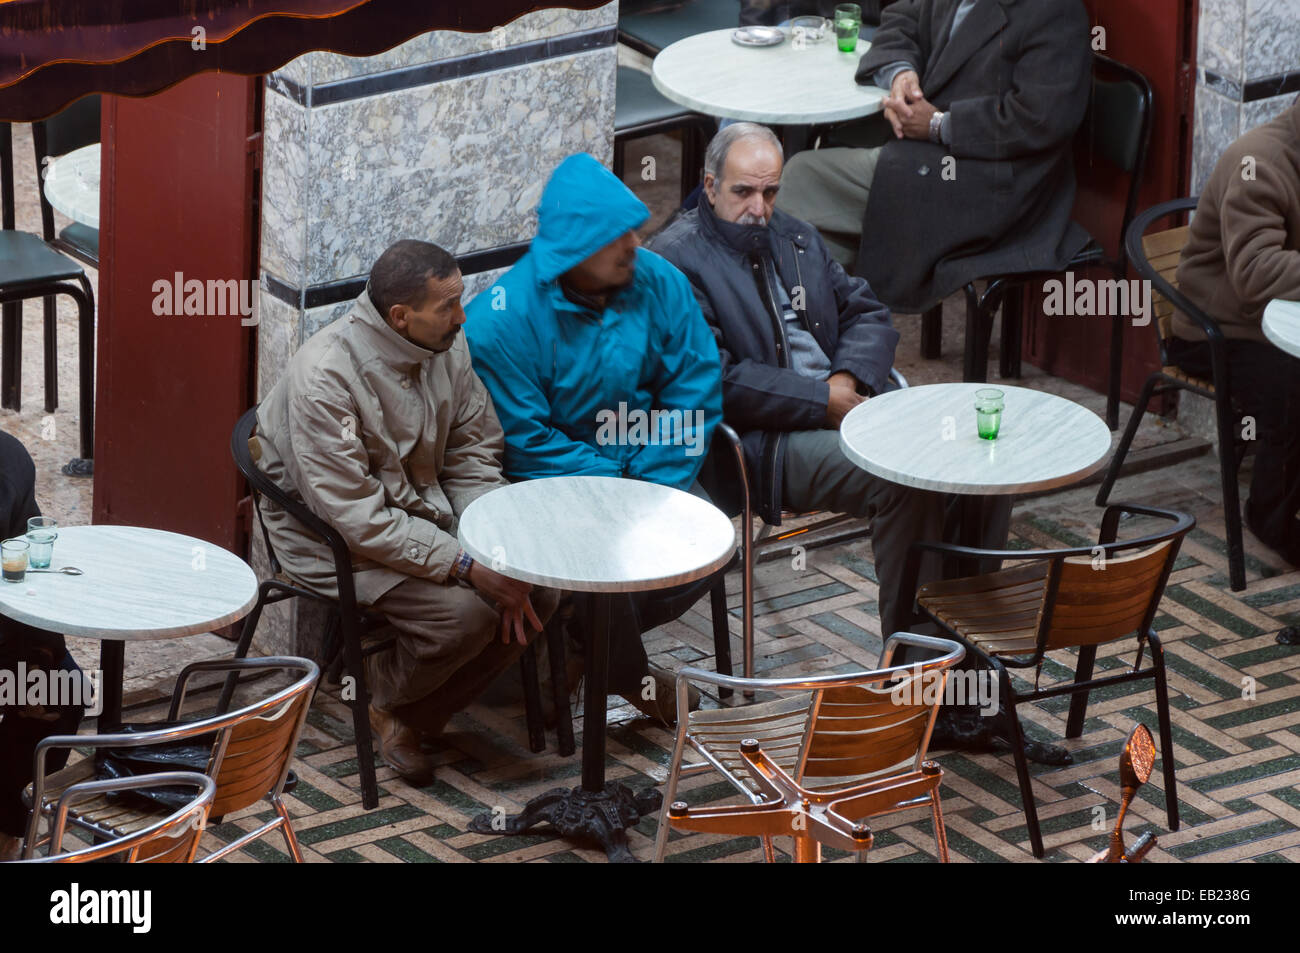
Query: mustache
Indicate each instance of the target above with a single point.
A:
(747, 219)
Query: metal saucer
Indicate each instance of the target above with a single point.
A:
(758, 36)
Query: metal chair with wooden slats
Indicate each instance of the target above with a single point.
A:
(251, 751)
(1082, 597)
(1155, 257)
(828, 732)
(172, 840)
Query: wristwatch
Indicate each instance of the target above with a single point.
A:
(936, 126)
(461, 565)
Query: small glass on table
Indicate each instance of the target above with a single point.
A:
(848, 22)
(13, 559)
(988, 412)
(42, 531)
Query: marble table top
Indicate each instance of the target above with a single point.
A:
(1282, 325)
(597, 534)
(72, 184)
(138, 584)
(925, 437)
(784, 85)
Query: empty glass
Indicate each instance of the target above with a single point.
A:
(42, 531)
(988, 412)
(13, 559)
(848, 21)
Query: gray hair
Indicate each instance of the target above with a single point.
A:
(715, 157)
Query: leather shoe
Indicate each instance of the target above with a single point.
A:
(399, 745)
(662, 703)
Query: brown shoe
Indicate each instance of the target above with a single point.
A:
(662, 705)
(399, 745)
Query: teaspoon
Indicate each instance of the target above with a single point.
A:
(66, 570)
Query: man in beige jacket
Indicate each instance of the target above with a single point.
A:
(382, 428)
(1244, 251)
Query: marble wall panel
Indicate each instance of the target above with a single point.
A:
(1264, 110)
(1221, 37)
(284, 189)
(1217, 124)
(462, 162)
(1272, 37)
(278, 331)
(320, 67)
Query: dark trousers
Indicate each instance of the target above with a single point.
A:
(1265, 384)
(20, 732)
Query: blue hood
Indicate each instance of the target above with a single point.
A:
(583, 208)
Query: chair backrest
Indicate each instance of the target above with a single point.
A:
(258, 738)
(66, 130)
(1093, 605)
(1163, 251)
(173, 839)
(880, 725)
(1117, 127)
(1103, 593)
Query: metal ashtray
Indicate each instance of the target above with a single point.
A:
(758, 36)
(812, 29)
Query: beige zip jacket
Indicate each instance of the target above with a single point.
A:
(387, 441)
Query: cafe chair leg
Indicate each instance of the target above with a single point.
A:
(51, 354)
(1227, 420)
(286, 828)
(721, 630)
(360, 714)
(555, 651)
(532, 700)
(932, 333)
(1017, 741)
(1130, 431)
(940, 832)
(1079, 701)
(1166, 731)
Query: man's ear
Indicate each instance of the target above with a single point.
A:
(397, 317)
(710, 188)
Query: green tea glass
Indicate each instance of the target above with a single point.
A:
(988, 412)
(42, 531)
(848, 22)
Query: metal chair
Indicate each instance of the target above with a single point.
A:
(251, 751)
(65, 131)
(641, 110)
(649, 27)
(1114, 136)
(31, 269)
(1055, 599)
(731, 493)
(1155, 257)
(839, 732)
(349, 622)
(171, 840)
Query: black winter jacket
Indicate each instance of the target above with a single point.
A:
(763, 398)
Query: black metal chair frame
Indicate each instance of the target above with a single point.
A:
(1083, 683)
(349, 622)
(1232, 449)
(981, 307)
(12, 296)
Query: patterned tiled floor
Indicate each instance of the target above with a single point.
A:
(1238, 757)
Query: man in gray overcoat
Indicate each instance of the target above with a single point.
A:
(974, 176)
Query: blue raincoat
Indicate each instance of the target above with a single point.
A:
(635, 391)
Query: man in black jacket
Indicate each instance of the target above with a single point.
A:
(23, 726)
(973, 175)
(802, 343)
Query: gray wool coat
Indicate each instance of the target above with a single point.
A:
(1015, 81)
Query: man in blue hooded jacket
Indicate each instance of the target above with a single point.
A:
(600, 363)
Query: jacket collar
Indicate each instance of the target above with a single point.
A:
(390, 346)
(746, 239)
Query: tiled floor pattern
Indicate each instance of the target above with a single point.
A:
(1238, 758)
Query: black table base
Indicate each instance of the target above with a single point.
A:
(603, 816)
(1289, 636)
(596, 810)
(79, 467)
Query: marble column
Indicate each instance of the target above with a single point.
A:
(447, 138)
(1247, 72)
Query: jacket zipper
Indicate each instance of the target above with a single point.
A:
(783, 355)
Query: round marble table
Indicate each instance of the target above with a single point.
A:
(788, 84)
(71, 184)
(600, 535)
(136, 584)
(925, 437)
(1282, 325)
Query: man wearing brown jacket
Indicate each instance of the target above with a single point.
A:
(1244, 251)
(382, 428)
